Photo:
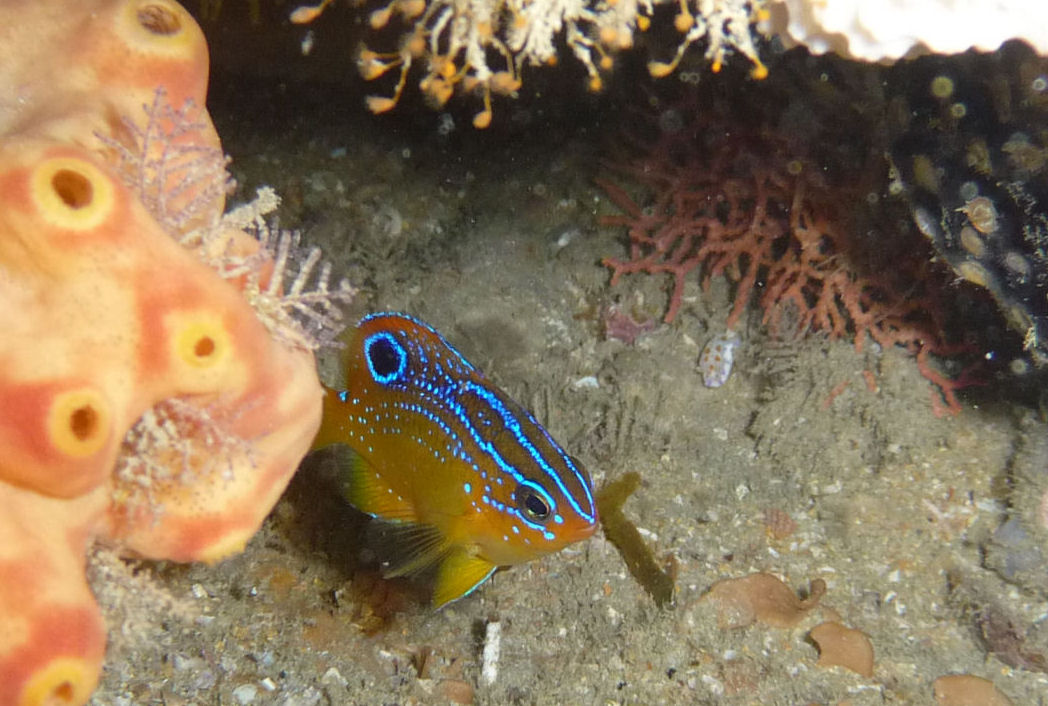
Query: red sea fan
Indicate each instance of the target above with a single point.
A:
(741, 206)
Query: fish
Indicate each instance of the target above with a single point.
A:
(465, 477)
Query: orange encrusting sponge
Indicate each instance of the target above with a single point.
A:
(143, 402)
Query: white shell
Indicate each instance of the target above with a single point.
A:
(717, 358)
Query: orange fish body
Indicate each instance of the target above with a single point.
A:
(467, 473)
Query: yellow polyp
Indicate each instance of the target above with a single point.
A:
(483, 119)
(380, 104)
(606, 62)
(447, 68)
(438, 91)
(684, 20)
(370, 70)
(415, 45)
(307, 13)
(201, 341)
(660, 69)
(643, 23)
(410, 9)
(759, 71)
(79, 422)
(372, 64)
(504, 83)
(716, 66)
(608, 36)
(380, 18)
(72, 193)
(596, 85)
(159, 27)
(65, 681)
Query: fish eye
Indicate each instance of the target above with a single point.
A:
(385, 356)
(532, 504)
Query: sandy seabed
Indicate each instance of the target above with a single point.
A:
(497, 244)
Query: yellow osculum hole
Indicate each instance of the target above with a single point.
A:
(64, 681)
(159, 27)
(158, 19)
(72, 193)
(79, 422)
(202, 343)
(73, 188)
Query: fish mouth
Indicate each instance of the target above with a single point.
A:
(587, 530)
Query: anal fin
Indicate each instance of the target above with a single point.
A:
(458, 575)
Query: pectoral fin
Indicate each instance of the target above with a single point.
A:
(406, 548)
(458, 575)
(366, 489)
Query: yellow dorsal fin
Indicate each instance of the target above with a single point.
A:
(457, 576)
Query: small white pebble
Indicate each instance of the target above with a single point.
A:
(268, 684)
(198, 591)
(489, 671)
(245, 694)
(307, 43)
(713, 684)
(333, 677)
(588, 382)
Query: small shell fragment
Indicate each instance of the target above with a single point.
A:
(841, 646)
(717, 358)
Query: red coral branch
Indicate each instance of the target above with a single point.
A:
(741, 210)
